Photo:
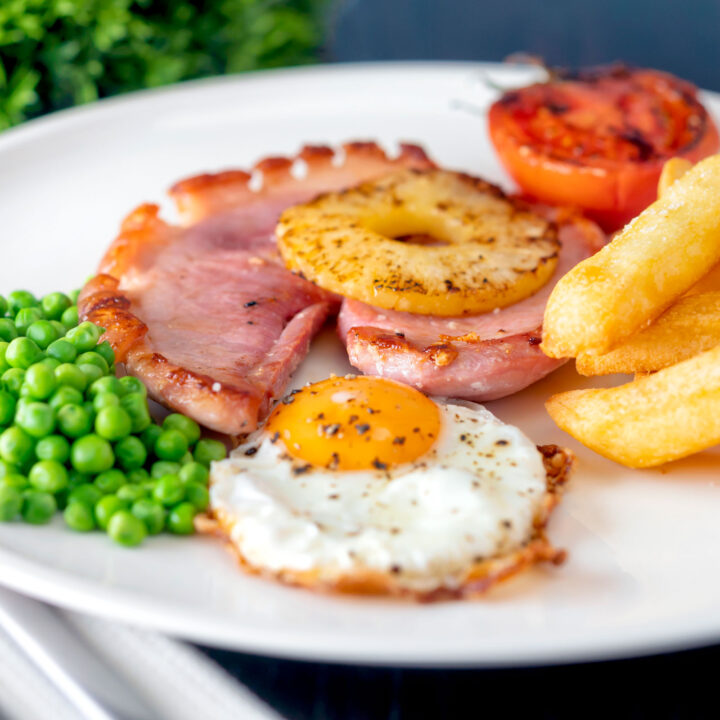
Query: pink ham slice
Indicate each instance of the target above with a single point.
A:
(205, 314)
(479, 357)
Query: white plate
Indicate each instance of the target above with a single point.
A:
(643, 545)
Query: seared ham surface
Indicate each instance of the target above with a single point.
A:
(205, 314)
(478, 357)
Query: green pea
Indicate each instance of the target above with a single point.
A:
(208, 450)
(22, 353)
(194, 473)
(38, 507)
(8, 331)
(137, 476)
(7, 407)
(48, 476)
(42, 333)
(7, 468)
(169, 490)
(105, 399)
(25, 393)
(149, 486)
(187, 458)
(16, 446)
(180, 519)
(84, 337)
(51, 363)
(62, 350)
(54, 305)
(40, 381)
(71, 375)
(70, 318)
(105, 350)
(93, 358)
(171, 445)
(106, 507)
(108, 384)
(130, 384)
(86, 493)
(26, 317)
(65, 395)
(131, 493)
(110, 481)
(37, 419)
(61, 329)
(91, 454)
(135, 404)
(198, 495)
(74, 421)
(149, 436)
(19, 299)
(91, 372)
(3, 306)
(11, 502)
(164, 467)
(130, 453)
(53, 447)
(151, 513)
(188, 427)
(124, 528)
(16, 480)
(79, 516)
(22, 402)
(4, 365)
(75, 294)
(113, 423)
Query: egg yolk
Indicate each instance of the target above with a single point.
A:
(356, 423)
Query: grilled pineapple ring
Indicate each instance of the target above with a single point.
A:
(474, 249)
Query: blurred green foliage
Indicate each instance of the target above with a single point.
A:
(58, 53)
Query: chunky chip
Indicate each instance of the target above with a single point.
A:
(653, 419)
(686, 328)
(672, 170)
(653, 261)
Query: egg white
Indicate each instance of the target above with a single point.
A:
(473, 497)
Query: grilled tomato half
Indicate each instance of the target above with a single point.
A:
(597, 139)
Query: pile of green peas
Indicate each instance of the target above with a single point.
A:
(75, 438)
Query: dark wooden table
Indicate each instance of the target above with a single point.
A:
(678, 685)
(679, 37)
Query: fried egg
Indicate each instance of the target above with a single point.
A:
(363, 484)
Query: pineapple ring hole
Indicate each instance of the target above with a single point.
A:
(410, 226)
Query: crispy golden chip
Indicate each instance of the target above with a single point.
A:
(690, 326)
(672, 170)
(649, 421)
(708, 283)
(668, 248)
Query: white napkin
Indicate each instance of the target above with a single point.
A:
(25, 693)
(177, 681)
(133, 674)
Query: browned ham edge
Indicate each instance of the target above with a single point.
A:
(205, 313)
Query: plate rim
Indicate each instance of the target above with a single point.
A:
(35, 580)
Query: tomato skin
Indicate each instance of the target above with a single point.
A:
(585, 160)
